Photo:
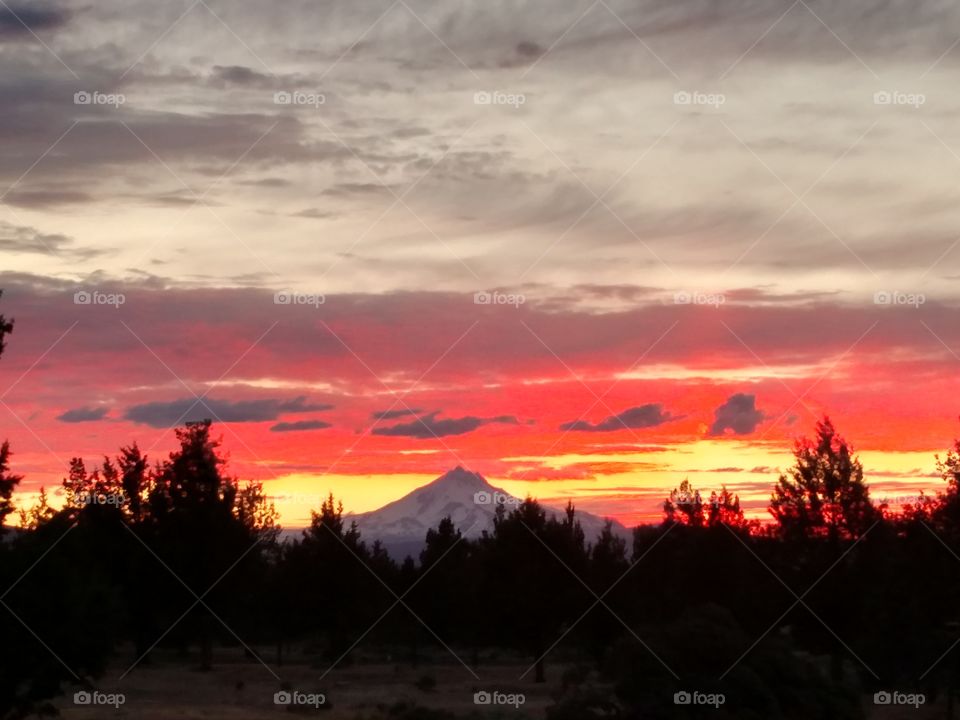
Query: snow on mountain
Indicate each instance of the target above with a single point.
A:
(466, 497)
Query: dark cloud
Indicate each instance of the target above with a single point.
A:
(315, 214)
(350, 188)
(394, 414)
(83, 414)
(644, 416)
(169, 199)
(524, 53)
(739, 413)
(94, 151)
(267, 182)
(44, 198)
(604, 341)
(410, 132)
(529, 49)
(22, 239)
(17, 21)
(301, 404)
(300, 425)
(168, 414)
(240, 75)
(428, 426)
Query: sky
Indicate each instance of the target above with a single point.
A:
(588, 249)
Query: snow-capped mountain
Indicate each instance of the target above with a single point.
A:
(466, 497)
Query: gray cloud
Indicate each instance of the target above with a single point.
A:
(301, 404)
(428, 426)
(300, 425)
(644, 416)
(199, 118)
(83, 414)
(349, 189)
(524, 52)
(17, 21)
(46, 197)
(22, 239)
(394, 414)
(739, 413)
(167, 414)
(240, 75)
(316, 214)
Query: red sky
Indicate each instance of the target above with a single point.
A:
(718, 394)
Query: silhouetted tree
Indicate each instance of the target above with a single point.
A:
(201, 529)
(443, 595)
(724, 509)
(530, 567)
(66, 595)
(684, 505)
(943, 511)
(824, 494)
(39, 513)
(331, 557)
(607, 568)
(134, 480)
(8, 481)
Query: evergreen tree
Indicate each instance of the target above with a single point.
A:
(684, 505)
(8, 481)
(824, 494)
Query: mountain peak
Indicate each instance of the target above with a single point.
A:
(462, 477)
(465, 497)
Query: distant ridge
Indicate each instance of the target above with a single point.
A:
(466, 497)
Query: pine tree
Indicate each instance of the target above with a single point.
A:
(684, 505)
(8, 482)
(824, 495)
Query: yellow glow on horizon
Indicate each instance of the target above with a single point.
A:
(295, 496)
(707, 463)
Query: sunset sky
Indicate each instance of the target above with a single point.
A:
(701, 227)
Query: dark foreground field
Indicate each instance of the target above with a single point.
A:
(373, 689)
(238, 688)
